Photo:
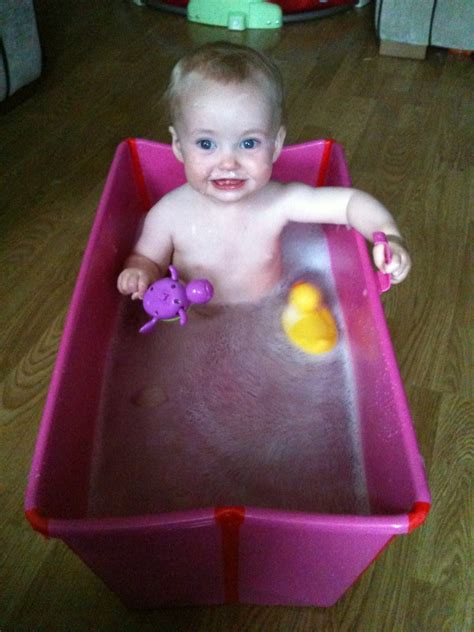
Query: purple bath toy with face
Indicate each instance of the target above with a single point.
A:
(169, 298)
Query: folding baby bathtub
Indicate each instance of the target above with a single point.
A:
(300, 539)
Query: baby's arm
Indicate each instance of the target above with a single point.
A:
(359, 210)
(150, 257)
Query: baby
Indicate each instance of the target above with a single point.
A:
(224, 224)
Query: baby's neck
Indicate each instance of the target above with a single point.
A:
(253, 200)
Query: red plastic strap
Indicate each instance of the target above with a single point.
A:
(417, 515)
(37, 521)
(138, 174)
(324, 166)
(229, 520)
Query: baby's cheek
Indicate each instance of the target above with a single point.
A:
(266, 171)
(196, 179)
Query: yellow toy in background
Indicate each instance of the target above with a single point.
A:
(307, 322)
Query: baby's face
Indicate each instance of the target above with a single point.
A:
(225, 136)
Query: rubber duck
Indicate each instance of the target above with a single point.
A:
(307, 322)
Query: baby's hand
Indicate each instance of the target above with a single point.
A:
(133, 281)
(400, 264)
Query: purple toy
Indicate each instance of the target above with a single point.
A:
(169, 298)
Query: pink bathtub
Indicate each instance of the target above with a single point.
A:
(259, 545)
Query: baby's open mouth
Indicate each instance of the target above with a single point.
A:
(228, 184)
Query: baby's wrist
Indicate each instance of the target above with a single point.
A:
(144, 265)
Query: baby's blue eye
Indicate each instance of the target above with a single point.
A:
(205, 144)
(249, 143)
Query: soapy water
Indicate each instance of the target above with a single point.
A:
(225, 411)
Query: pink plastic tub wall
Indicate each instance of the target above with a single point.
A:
(214, 555)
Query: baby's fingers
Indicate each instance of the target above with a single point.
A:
(399, 267)
(132, 282)
(399, 264)
(123, 282)
(379, 255)
(140, 286)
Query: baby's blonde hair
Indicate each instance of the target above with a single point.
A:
(228, 63)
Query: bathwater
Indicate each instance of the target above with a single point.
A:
(225, 411)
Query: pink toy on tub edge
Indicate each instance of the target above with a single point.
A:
(169, 298)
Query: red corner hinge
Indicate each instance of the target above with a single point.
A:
(37, 521)
(417, 515)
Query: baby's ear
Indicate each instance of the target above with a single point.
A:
(175, 144)
(279, 140)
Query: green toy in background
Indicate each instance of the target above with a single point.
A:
(236, 15)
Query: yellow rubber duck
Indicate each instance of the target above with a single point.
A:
(307, 322)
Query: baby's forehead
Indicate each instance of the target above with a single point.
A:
(198, 91)
(198, 82)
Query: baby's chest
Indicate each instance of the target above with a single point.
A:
(227, 241)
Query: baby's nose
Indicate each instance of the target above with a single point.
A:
(228, 160)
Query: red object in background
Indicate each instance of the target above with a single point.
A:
(176, 3)
(288, 6)
(299, 6)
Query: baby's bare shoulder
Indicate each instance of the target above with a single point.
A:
(172, 205)
(286, 189)
(281, 196)
(294, 188)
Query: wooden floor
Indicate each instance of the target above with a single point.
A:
(407, 128)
